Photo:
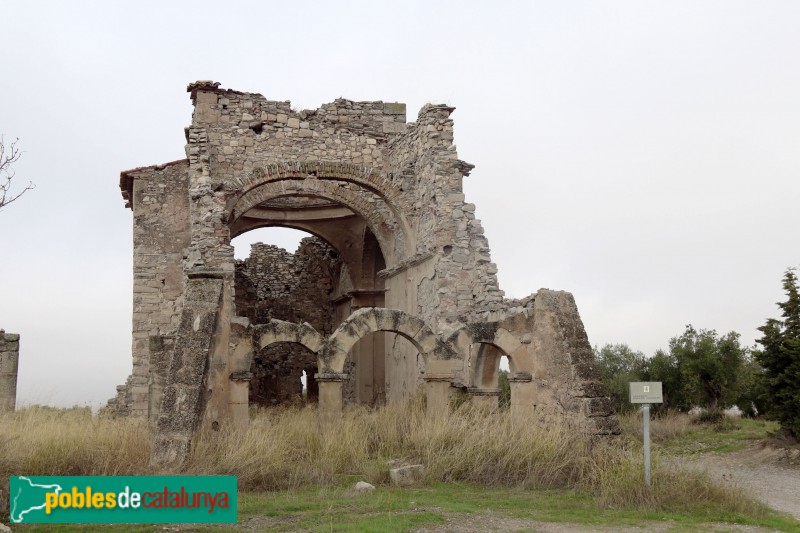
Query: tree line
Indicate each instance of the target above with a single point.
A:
(702, 368)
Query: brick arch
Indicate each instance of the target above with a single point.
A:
(381, 221)
(467, 340)
(364, 177)
(373, 319)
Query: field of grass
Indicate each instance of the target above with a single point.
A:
(682, 434)
(454, 505)
(479, 466)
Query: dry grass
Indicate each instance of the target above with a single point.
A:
(71, 442)
(663, 426)
(283, 449)
(617, 479)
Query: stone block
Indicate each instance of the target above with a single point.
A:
(394, 108)
(391, 127)
(405, 476)
(364, 487)
(598, 406)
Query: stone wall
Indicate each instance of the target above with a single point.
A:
(298, 287)
(161, 233)
(275, 284)
(9, 365)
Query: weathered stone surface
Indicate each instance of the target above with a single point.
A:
(407, 475)
(363, 486)
(183, 401)
(9, 367)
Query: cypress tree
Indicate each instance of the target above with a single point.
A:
(780, 359)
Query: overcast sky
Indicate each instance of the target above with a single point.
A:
(642, 155)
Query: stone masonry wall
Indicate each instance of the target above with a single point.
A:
(234, 134)
(425, 162)
(292, 287)
(273, 283)
(240, 142)
(9, 365)
(161, 234)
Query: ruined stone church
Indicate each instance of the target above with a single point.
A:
(394, 293)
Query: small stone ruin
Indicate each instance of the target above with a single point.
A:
(9, 364)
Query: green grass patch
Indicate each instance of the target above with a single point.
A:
(396, 510)
(731, 436)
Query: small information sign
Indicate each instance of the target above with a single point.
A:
(646, 392)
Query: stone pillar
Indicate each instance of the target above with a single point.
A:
(9, 361)
(438, 378)
(240, 359)
(484, 398)
(523, 396)
(239, 399)
(330, 399)
(437, 393)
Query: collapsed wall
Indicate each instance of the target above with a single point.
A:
(275, 284)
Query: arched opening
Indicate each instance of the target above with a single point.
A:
(286, 238)
(331, 272)
(492, 374)
(273, 283)
(366, 368)
(278, 371)
(403, 370)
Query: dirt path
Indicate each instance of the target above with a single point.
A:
(767, 473)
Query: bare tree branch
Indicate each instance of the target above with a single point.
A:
(8, 156)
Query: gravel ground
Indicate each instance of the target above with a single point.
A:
(768, 474)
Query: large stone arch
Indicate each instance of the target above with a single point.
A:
(372, 319)
(466, 339)
(382, 222)
(262, 335)
(439, 356)
(364, 177)
(481, 373)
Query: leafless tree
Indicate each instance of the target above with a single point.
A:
(8, 156)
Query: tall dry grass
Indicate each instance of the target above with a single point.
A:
(71, 442)
(663, 426)
(283, 449)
